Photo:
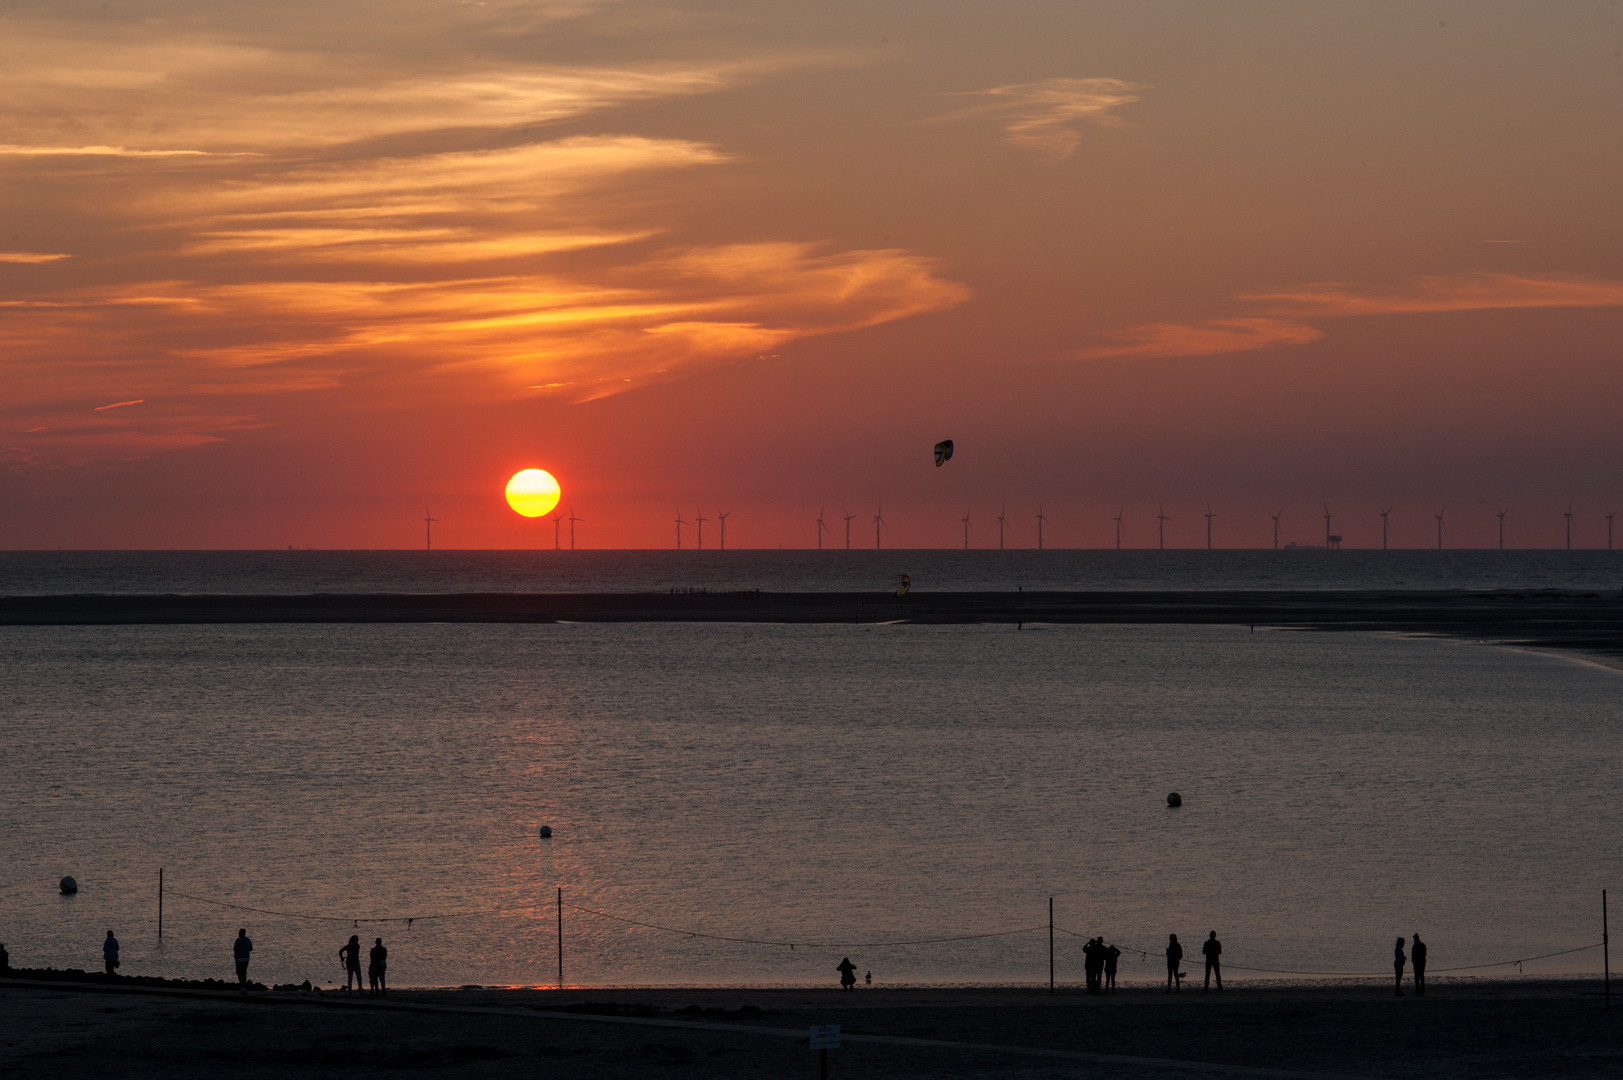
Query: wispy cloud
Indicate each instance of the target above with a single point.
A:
(30, 257)
(118, 405)
(1285, 314)
(14, 150)
(1045, 116)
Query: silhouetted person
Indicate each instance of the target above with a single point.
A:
(378, 968)
(1398, 960)
(1112, 954)
(868, 978)
(1212, 949)
(848, 974)
(351, 956)
(1174, 959)
(242, 949)
(1417, 957)
(5, 959)
(1093, 963)
(109, 954)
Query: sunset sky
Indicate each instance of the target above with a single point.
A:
(285, 274)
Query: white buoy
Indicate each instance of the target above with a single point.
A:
(69, 886)
(546, 832)
(1174, 799)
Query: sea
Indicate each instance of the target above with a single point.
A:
(747, 804)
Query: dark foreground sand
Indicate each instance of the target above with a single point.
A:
(1475, 1029)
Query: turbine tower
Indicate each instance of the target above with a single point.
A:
(1040, 520)
(1327, 525)
(1440, 514)
(878, 522)
(721, 517)
(1385, 512)
(1568, 516)
(679, 524)
(428, 530)
(557, 541)
(1276, 527)
(821, 528)
(572, 520)
(701, 519)
(1610, 514)
(848, 516)
(966, 528)
(1119, 513)
(1002, 520)
(1501, 516)
(1162, 519)
(1209, 516)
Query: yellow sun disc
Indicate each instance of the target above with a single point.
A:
(532, 492)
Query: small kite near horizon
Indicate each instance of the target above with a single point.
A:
(943, 452)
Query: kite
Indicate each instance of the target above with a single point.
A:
(943, 452)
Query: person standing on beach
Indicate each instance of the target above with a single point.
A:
(1093, 963)
(1112, 954)
(5, 959)
(242, 949)
(1417, 956)
(351, 956)
(378, 968)
(848, 974)
(1398, 960)
(109, 954)
(1174, 959)
(1212, 949)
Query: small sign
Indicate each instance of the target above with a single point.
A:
(825, 1037)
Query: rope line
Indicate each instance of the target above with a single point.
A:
(355, 920)
(805, 944)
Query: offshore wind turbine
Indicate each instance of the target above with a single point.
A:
(848, 516)
(821, 528)
(1209, 516)
(878, 522)
(1501, 516)
(679, 524)
(966, 528)
(1162, 519)
(701, 519)
(1568, 516)
(721, 517)
(428, 530)
(1385, 512)
(1439, 516)
(557, 534)
(572, 520)
(1327, 525)
(1276, 527)
(1002, 520)
(1610, 514)
(1119, 513)
(1040, 520)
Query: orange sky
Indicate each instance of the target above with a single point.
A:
(286, 274)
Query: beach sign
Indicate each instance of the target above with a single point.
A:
(825, 1037)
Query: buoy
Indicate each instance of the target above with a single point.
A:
(1174, 799)
(546, 832)
(69, 886)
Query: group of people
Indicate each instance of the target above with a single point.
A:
(1099, 964)
(1417, 956)
(1211, 949)
(242, 951)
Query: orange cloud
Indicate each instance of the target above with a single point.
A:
(30, 257)
(1043, 116)
(1206, 338)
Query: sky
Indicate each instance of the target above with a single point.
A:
(287, 275)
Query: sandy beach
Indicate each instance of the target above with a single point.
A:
(1465, 1028)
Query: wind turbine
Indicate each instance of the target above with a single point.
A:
(848, 516)
(1610, 514)
(821, 528)
(1003, 520)
(1119, 513)
(1501, 516)
(966, 528)
(1276, 527)
(1568, 516)
(1439, 515)
(1385, 512)
(556, 530)
(701, 519)
(1040, 520)
(572, 520)
(428, 530)
(721, 517)
(1209, 516)
(679, 524)
(878, 521)
(1327, 525)
(1161, 517)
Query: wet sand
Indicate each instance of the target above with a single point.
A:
(1460, 1029)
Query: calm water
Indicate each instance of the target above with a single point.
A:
(54, 572)
(809, 783)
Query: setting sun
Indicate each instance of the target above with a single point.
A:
(532, 492)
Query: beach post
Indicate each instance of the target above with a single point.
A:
(1050, 944)
(160, 903)
(1606, 950)
(824, 1037)
(560, 937)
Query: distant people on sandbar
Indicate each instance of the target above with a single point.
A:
(868, 978)
(1398, 960)
(351, 956)
(1417, 957)
(109, 953)
(242, 949)
(378, 968)
(1174, 961)
(1212, 949)
(848, 974)
(1112, 954)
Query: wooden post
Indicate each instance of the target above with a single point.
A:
(160, 903)
(822, 1064)
(560, 937)
(1606, 949)
(1050, 944)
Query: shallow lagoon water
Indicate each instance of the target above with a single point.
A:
(814, 784)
